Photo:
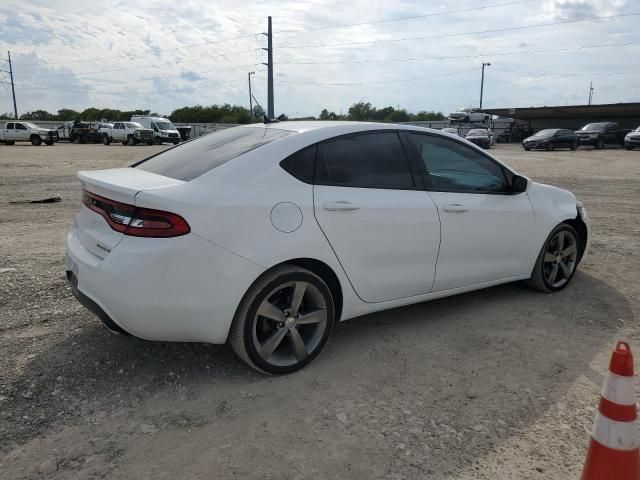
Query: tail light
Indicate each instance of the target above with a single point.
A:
(136, 221)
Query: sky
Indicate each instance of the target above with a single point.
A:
(417, 55)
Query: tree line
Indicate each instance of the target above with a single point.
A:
(361, 111)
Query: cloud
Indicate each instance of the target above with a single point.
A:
(198, 52)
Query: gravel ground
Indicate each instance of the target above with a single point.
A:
(501, 383)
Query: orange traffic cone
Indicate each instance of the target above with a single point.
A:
(614, 452)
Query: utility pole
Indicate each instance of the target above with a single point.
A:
(590, 92)
(269, 65)
(482, 81)
(13, 88)
(250, 96)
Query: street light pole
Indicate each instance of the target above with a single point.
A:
(482, 81)
(250, 96)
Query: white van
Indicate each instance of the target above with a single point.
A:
(163, 129)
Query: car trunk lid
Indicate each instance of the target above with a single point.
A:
(111, 195)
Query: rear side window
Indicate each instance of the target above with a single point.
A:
(371, 160)
(192, 159)
(301, 164)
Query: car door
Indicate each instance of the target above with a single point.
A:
(9, 132)
(380, 223)
(486, 230)
(21, 132)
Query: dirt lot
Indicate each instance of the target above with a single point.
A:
(498, 384)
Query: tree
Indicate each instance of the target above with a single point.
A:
(326, 115)
(361, 111)
(424, 116)
(66, 114)
(37, 115)
(282, 117)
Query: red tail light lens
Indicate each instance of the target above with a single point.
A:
(136, 221)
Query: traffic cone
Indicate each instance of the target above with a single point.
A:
(614, 452)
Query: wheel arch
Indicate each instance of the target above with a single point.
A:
(321, 269)
(581, 228)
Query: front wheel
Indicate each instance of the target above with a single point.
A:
(600, 145)
(131, 141)
(628, 147)
(574, 146)
(283, 321)
(106, 140)
(36, 140)
(176, 142)
(557, 261)
(551, 147)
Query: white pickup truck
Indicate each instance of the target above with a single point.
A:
(27, 132)
(128, 133)
(469, 115)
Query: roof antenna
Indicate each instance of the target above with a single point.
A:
(265, 118)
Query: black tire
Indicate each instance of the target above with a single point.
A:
(123, 143)
(600, 145)
(527, 149)
(176, 142)
(36, 140)
(9, 142)
(550, 147)
(131, 141)
(539, 276)
(628, 147)
(149, 142)
(157, 141)
(574, 146)
(243, 332)
(106, 139)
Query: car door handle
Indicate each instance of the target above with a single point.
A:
(341, 205)
(455, 208)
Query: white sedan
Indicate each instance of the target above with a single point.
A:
(266, 235)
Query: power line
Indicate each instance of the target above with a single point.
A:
(146, 92)
(153, 52)
(381, 82)
(137, 67)
(577, 74)
(448, 35)
(401, 19)
(454, 57)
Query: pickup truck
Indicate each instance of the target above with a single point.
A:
(469, 115)
(602, 133)
(128, 133)
(27, 132)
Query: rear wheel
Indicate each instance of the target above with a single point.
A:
(527, 149)
(36, 140)
(149, 142)
(600, 144)
(283, 321)
(557, 261)
(551, 147)
(574, 146)
(628, 147)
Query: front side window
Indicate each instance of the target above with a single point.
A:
(453, 167)
(19, 126)
(192, 159)
(370, 160)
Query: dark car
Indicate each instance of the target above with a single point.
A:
(550, 139)
(479, 136)
(632, 139)
(601, 134)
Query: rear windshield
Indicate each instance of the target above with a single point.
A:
(192, 159)
(595, 126)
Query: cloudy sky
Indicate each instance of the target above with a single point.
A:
(328, 54)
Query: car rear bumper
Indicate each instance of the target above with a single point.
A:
(177, 289)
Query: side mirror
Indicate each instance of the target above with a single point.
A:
(519, 184)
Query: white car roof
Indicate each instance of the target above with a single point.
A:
(340, 126)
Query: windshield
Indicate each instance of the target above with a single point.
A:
(192, 159)
(30, 125)
(162, 125)
(550, 132)
(477, 132)
(464, 109)
(133, 125)
(637, 129)
(594, 126)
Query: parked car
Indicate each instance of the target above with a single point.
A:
(632, 139)
(453, 131)
(601, 134)
(128, 133)
(468, 115)
(163, 129)
(27, 132)
(550, 139)
(266, 235)
(480, 136)
(78, 131)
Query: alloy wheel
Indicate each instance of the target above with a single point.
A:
(290, 323)
(560, 259)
